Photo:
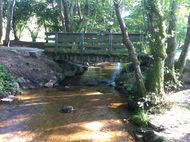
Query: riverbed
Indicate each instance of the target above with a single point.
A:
(99, 113)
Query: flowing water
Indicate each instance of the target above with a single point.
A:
(98, 114)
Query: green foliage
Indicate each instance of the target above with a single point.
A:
(126, 82)
(23, 11)
(140, 118)
(47, 14)
(7, 82)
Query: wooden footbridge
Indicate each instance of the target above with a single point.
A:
(90, 47)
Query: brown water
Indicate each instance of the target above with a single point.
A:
(98, 115)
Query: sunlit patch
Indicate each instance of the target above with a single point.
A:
(94, 100)
(6, 100)
(17, 136)
(93, 126)
(101, 136)
(94, 67)
(87, 136)
(94, 93)
(35, 104)
(116, 105)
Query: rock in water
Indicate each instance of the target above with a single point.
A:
(50, 84)
(66, 88)
(152, 136)
(67, 109)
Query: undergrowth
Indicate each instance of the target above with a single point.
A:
(7, 82)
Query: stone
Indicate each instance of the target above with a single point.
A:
(21, 80)
(66, 109)
(152, 136)
(138, 137)
(66, 88)
(49, 84)
(156, 128)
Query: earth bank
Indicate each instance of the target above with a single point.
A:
(31, 68)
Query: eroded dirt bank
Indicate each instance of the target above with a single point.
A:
(32, 69)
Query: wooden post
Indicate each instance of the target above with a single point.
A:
(56, 40)
(81, 41)
(46, 37)
(110, 42)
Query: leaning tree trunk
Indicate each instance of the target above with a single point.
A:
(1, 20)
(156, 27)
(171, 44)
(183, 56)
(132, 53)
(9, 22)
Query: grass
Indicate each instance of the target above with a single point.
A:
(140, 118)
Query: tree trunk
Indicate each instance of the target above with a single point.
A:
(16, 38)
(62, 15)
(171, 44)
(9, 22)
(156, 26)
(132, 53)
(183, 56)
(1, 20)
(72, 8)
(66, 15)
(79, 12)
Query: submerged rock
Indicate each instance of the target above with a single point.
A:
(65, 88)
(92, 82)
(67, 109)
(97, 81)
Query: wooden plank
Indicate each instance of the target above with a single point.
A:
(50, 44)
(50, 38)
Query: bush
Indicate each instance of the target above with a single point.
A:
(7, 82)
(125, 82)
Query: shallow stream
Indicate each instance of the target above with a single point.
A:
(99, 114)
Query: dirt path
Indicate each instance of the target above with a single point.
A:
(35, 117)
(176, 120)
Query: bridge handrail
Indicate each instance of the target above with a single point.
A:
(91, 33)
(108, 39)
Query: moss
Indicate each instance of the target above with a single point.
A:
(155, 79)
(7, 82)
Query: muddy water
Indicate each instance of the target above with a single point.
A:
(98, 114)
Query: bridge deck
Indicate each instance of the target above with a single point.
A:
(103, 45)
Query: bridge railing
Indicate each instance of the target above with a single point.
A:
(91, 42)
